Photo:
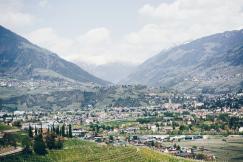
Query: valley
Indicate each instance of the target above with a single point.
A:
(183, 104)
(125, 118)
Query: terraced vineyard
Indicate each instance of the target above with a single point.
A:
(76, 151)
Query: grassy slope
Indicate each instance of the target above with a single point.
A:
(76, 150)
(4, 127)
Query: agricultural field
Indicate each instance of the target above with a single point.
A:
(224, 148)
(121, 123)
(77, 150)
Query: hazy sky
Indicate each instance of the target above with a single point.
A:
(103, 31)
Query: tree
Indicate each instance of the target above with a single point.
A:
(183, 127)
(201, 156)
(36, 131)
(57, 130)
(70, 131)
(111, 138)
(50, 141)
(224, 117)
(153, 143)
(157, 125)
(175, 146)
(178, 147)
(26, 143)
(17, 123)
(174, 125)
(41, 129)
(129, 139)
(30, 131)
(63, 130)
(53, 128)
(59, 143)
(39, 145)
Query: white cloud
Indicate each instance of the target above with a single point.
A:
(164, 25)
(13, 15)
(92, 46)
(43, 3)
(50, 39)
(95, 45)
(184, 20)
(195, 18)
(96, 36)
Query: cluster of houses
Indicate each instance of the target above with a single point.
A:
(117, 113)
(35, 84)
(186, 107)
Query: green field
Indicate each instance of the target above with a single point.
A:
(228, 149)
(4, 127)
(120, 123)
(84, 151)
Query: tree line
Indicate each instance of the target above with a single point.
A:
(52, 138)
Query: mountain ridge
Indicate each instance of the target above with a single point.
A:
(201, 62)
(22, 59)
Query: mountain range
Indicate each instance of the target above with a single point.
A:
(21, 59)
(211, 62)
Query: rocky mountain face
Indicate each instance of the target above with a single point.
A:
(212, 62)
(21, 59)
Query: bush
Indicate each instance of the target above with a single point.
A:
(201, 156)
(10, 139)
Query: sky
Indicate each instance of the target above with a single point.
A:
(129, 31)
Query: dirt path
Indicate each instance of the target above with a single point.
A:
(17, 150)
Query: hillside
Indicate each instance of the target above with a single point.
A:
(48, 97)
(21, 59)
(89, 151)
(212, 62)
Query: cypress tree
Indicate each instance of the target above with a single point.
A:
(26, 143)
(57, 130)
(63, 130)
(39, 145)
(36, 132)
(30, 132)
(53, 128)
(41, 129)
(70, 131)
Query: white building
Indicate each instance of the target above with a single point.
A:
(241, 129)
